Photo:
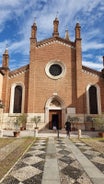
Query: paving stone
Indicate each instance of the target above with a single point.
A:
(25, 173)
(94, 156)
(10, 180)
(30, 168)
(70, 169)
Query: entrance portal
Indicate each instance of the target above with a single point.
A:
(55, 119)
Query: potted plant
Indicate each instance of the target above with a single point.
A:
(17, 129)
(74, 120)
(20, 122)
(36, 120)
(90, 119)
(99, 121)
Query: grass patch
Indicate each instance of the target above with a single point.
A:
(5, 141)
(93, 139)
(10, 160)
(96, 143)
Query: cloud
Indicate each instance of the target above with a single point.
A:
(96, 66)
(19, 47)
(86, 46)
(14, 64)
(23, 13)
(9, 3)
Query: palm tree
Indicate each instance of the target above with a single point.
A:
(36, 120)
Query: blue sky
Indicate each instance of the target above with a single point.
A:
(17, 16)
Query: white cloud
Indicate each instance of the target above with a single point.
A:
(14, 64)
(20, 46)
(92, 45)
(45, 11)
(3, 46)
(97, 66)
(12, 3)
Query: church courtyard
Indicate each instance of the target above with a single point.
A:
(50, 159)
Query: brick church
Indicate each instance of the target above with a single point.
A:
(55, 84)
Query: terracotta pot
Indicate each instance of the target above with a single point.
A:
(22, 128)
(101, 134)
(16, 133)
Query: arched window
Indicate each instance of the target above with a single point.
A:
(17, 99)
(93, 100)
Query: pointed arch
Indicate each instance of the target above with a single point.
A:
(17, 98)
(59, 102)
(55, 105)
(93, 99)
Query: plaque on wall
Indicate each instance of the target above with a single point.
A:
(71, 110)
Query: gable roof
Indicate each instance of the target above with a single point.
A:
(90, 70)
(19, 71)
(55, 39)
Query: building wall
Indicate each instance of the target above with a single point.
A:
(45, 87)
(20, 79)
(1, 85)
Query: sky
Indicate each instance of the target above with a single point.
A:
(17, 17)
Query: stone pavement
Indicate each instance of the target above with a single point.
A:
(53, 160)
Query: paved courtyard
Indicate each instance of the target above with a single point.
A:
(53, 160)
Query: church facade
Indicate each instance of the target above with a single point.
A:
(55, 84)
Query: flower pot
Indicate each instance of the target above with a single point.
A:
(22, 128)
(16, 133)
(101, 134)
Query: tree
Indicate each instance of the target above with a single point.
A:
(36, 120)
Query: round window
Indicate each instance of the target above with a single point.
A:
(55, 69)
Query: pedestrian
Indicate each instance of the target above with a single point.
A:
(54, 126)
(68, 128)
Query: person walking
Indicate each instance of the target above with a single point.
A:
(68, 128)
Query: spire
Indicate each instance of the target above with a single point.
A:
(55, 28)
(34, 30)
(77, 31)
(5, 60)
(67, 34)
(6, 50)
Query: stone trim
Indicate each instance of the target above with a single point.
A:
(18, 72)
(55, 40)
(50, 63)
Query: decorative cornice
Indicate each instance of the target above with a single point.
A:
(18, 71)
(55, 40)
(91, 71)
